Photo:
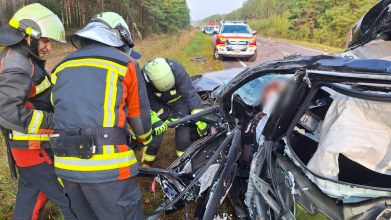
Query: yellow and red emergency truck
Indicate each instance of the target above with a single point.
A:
(236, 40)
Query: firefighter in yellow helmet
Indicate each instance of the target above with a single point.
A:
(99, 90)
(171, 94)
(26, 113)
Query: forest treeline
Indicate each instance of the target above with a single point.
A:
(319, 21)
(144, 17)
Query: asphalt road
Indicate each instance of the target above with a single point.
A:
(268, 51)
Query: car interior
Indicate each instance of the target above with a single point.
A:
(305, 141)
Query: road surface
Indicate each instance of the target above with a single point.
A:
(268, 51)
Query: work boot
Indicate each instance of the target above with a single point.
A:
(145, 165)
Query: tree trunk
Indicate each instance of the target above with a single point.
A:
(133, 18)
(141, 18)
(86, 11)
(312, 25)
(2, 17)
(73, 13)
(62, 12)
(127, 14)
(81, 10)
(13, 4)
(103, 6)
(120, 8)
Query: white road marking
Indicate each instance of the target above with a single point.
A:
(241, 62)
(258, 44)
(285, 53)
(318, 51)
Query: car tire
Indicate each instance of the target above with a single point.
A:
(217, 56)
(253, 58)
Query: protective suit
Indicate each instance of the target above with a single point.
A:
(26, 113)
(98, 92)
(170, 92)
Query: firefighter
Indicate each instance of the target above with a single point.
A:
(99, 90)
(26, 114)
(171, 94)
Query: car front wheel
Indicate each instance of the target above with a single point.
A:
(217, 56)
(253, 57)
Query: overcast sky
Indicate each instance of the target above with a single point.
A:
(200, 9)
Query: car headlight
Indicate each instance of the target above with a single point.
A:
(222, 40)
(251, 41)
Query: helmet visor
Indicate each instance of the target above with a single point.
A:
(51, 27)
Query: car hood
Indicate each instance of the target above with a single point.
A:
(210, 81)
(237, 36)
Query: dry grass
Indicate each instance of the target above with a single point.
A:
(181, 46)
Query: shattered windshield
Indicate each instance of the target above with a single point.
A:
(251, 93)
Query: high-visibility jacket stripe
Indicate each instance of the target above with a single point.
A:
(95, 168)
(43, 86)
(35, 122)
(94, 63)
(145, 135)
(108, 149)
(171, 101)
(196, 111)
(97, 162)
(54, 79)
(161, 111)
(110, 99)
(29, 137)
(87, 162)
(179, 153)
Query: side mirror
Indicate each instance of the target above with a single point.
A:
(254, 33)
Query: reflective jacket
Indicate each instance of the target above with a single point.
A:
(183, 91)
(99, 86)
(25, 104)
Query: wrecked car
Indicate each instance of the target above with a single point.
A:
(267, 175)
(307, 137)
(323, 151)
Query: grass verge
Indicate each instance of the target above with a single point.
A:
(181, 47)
(309, 44)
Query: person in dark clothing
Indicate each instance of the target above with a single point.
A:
(26, 113)
(98, 92)
(170, 92)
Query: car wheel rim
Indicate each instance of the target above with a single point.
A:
(216, 55)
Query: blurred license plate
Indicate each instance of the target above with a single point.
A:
(237, 51)
(237, 48)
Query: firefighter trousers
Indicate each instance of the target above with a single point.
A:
(119, 200)
(36, 185)
(182, 137)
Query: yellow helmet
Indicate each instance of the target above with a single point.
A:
(159, 72)
(34, 20)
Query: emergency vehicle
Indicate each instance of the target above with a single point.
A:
(236, 40)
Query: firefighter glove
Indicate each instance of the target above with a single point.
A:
(135, 145)
(202, 128)
(157, 124)
(169, 120)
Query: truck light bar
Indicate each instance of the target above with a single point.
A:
(235, 22)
